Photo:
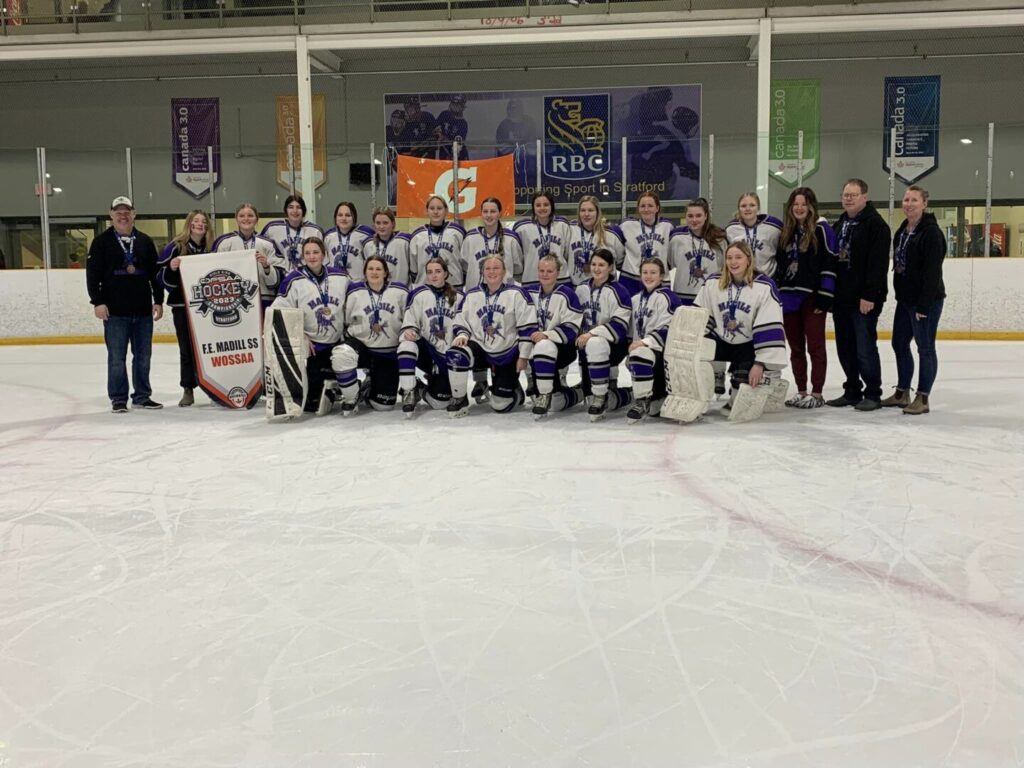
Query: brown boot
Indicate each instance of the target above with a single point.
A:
(187, 398)
(919, 406)
(901, 398)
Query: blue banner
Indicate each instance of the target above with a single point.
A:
(578, 132)
(912, 108)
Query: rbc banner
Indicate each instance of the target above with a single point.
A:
(195, 125)
(912, 108)
(223, 299)
(796, 106)
(580, 133)
(420, 178)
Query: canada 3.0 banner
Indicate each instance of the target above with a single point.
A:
(580, 133)
(223, 300)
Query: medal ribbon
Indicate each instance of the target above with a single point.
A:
(641, 313)
(647, 240)
(900, 254)
(129, 249)
(293, 242)
(544, 307)
(595, 299)
(320, 283)
(545, 236)
(733, 301)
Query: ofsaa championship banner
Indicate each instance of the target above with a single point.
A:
(912, 108)
(580, 132)
(223, 300)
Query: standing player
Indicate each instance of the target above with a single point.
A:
(542, 234)
(602, 345)
(652, 312)
(559, 316)
(746, 319)
(271, 268)
(758, 230)
(290, 233)
(645, 237)
(419, 126)
(695, 251)
(586, 235)
(806, 278)
(451, 125)
(345, 240)
(494, 324)
(438, 238)
(319, 291)
(389, 245)
(426, 337)
(492, 239)
(374, 310)
(195, 237)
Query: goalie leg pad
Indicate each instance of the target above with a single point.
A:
(284, 363)
(749, 403)
(778, 389)
(687, 356)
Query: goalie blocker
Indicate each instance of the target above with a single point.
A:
(284, 362)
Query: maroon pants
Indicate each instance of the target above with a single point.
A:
(805, 334)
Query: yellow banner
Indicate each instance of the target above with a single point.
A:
(289, 172)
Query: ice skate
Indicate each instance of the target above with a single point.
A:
(639, 410)
(598, 407)
(458, 407)
(409, 401)
(541, 406)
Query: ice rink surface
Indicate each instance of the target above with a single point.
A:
(199, 588)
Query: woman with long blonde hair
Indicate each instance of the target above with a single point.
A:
(586, 235)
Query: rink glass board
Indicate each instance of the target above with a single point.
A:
(580, 132)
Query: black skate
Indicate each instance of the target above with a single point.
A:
(598, 407)
(541, 405)
(458, 407)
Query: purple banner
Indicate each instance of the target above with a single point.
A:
(195, 126)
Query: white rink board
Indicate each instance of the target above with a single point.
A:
(199, 588)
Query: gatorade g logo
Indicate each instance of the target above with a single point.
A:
(445, 188)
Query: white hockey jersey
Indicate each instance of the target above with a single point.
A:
(500, 322)
(763, 239)
(343, 249)
(395, 251)
(559, 313)
(376, 318)
(477, 247)
(537, 241)
(270, 277)
(321, 299)
(693, 259)
(651, 315)
(643, 242)
(606, 310)
(747, 313)
(431, 316)
(583, 243)
(427, 242)
(288, 240)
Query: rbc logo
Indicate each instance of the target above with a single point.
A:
(576, 136)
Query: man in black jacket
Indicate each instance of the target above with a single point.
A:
(861, 287)
(123, 288)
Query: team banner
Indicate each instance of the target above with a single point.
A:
(796, 106)
(912, 108)
(223, 295)
(195, 126)
(419, 178)
(289, 172)
(580, 131)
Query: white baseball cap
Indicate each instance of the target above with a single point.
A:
(122, 200)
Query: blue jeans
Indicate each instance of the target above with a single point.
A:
(905, 327)
(118, 333)
(857, 347)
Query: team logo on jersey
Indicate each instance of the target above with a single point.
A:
(224, 293)
(576, 136)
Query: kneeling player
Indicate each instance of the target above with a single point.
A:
(559, 315)
(494, 323)
(426, 337)
(373, 321)
(746, 325)
(319, 292)
(603, 344)
(652, 313)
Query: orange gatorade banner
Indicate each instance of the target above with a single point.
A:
(287, 109)
(419, 178)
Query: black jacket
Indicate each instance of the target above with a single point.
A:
(812, 274)
(862, 271)
(109, 281)
(171, 278)
(919, 283)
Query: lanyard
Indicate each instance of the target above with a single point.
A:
(434, 248)
(901, 251)
(490, 305)
(595, 302)
(129, 248)
(733, 301)
(544, 307)
(376, 299)
(647, 240)
(696, 263)
(440, 301)
(545, 238)
(247, 243)
(751, 235)
(293, 242)
(641, 312)
(381, 252)
(487, 241)
(322, 288)
(794, 253)
(343, 241)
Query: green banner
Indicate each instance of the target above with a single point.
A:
(796, 106)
